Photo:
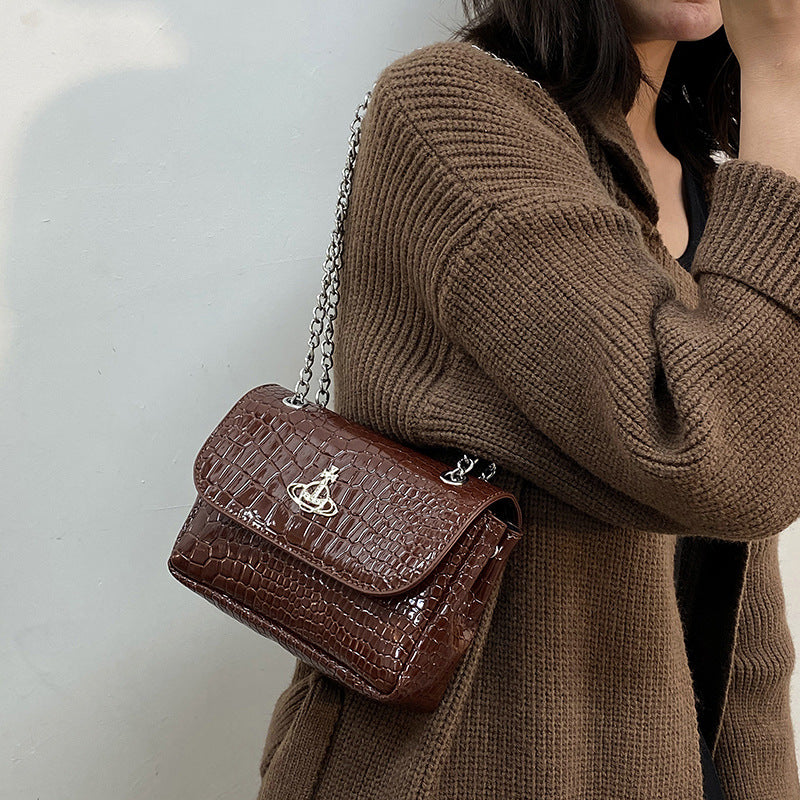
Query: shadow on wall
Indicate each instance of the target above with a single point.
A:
(169, 175)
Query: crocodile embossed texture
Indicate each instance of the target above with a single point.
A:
(383, 596)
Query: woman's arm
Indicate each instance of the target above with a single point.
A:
(525, 262)
(769, 132)
(765, 38)
(691, 413)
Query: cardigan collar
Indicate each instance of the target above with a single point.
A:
(614, 135)
(610, 127)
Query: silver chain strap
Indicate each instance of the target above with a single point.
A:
(321, 327)
(325, 311)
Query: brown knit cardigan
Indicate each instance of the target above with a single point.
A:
(505, 292)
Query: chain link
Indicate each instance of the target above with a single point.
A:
(321, 328)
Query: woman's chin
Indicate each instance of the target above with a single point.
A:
(691, 20)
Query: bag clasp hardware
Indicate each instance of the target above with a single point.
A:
(315, 496)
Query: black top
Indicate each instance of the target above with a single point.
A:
(697, 212)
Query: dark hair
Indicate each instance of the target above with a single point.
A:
(580, 51)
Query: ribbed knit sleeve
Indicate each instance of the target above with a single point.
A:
(531, 268)
(755, 752)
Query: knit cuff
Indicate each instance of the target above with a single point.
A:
(753, 230)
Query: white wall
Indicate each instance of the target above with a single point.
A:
(168, 178)
(168, 174)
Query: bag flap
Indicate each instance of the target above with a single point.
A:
(356, 505)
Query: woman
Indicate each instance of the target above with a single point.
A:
(511, 287)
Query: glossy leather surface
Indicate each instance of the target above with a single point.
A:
(385, 595)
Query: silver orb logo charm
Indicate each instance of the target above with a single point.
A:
(315, 496)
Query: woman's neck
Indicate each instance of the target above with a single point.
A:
(654, 57)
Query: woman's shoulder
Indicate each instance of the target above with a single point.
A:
(494, 125)
(440, 57)
(453, 70)
(456, 60)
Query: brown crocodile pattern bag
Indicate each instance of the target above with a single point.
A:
(365, 558)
